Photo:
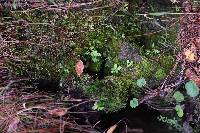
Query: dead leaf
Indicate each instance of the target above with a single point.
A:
(192, 76)
(13, 125)
(58, 112)
(79, 68)
(112, 129)
(197, 40)
(190, 55)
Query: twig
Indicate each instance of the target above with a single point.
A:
(8, 86)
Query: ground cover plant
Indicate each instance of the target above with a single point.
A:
(68, 65)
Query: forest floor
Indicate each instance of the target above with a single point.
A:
(97, 66)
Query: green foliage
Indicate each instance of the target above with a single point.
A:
(42, 63)
(179, 111)
(94, 55)
(144, 68)
(94, 39)
(129, 63)
(114, 91)
(192, 89)
(178, 96)
(99, 105)
(160, 74)
(116, 69)
(134, 103)
(154, 51)
(172, 123)
(141, 82)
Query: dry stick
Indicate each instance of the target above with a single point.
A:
(59, 7)
(28, 109)
(152, 33)
(82, 112)
(168, 13)
(76, 105)
(117, 125)
(41, 107)
(9, 85)
(29, 10)
(96, 124)
(160, 108)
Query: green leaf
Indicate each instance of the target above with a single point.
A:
(98, 106)
(179, 110)
(115, 69)
(129, 63)
(156, 51)
(141, 82)
(119, 68)
(192, 89)
(115, 66)
(158, 13)
(134, 103)
(178, 96)
(94, 54)
(14, 5)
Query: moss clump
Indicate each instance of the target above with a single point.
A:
(42, 62)
(160, 74)
(114, 91)
(57, 41)
(144, 68)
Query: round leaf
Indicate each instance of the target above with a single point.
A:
(141, 82)
(134, 103)
(179, 110)
(178, 96)
(192, 89)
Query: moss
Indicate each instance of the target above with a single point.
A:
(160, 74)
(42, 62)
(95, 67)
(105, 36)
(144, 68)
(114, 91)
(167, 62)
(104, 40)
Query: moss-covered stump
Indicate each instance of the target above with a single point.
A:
(115, 47)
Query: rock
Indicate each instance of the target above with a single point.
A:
(129, 52)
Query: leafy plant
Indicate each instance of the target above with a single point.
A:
(95, 55)
(98, 106)
(179, 110)
(178, 96)
(141, 82)
(153, 51)
(115, 69)
(171, 122)
(134, 103)
(192, 89)
(129, 63)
